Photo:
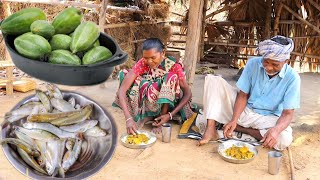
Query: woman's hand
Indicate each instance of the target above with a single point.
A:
(161, 120)
(131, 127)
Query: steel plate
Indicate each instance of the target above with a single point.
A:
(152, 139)
(96, 153)
(225, 145)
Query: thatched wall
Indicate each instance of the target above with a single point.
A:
(254, 14)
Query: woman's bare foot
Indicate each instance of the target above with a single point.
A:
(209, 134)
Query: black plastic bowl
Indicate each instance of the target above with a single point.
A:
(69, 74)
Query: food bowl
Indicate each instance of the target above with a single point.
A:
(69, 74)
(227, 144)
(100, 150)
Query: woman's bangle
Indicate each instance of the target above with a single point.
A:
(170, 115)
(128, 119)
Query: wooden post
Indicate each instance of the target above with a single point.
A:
(9, 84)
(203, 30)
(193, 38)
(102, 21)
(277, 19)
(296, 15)
(102, 14)
(267, 26)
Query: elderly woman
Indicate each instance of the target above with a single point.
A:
(262, 106)
(152, 89)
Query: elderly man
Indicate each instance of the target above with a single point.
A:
(263, 105)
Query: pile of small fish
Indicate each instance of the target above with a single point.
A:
(52, 131)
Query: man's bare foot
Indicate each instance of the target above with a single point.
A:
(209, 134)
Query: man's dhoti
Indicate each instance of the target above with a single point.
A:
(218, 101)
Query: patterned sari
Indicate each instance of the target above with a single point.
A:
(152, 89)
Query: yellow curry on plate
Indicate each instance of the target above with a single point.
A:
(137, 139)
(239, 152)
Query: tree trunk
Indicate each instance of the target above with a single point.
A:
(193, 38)
(267, 26)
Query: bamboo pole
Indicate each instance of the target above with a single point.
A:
(277, 18)
(177, 14)
(225, 8)
(250, 24)
(230, 44)
(315, 28)
(267, 26)
(80, 4)
(125, 9)
(193, 38)
(172, 47)
(317, 6)
(135, 23)
(203, 30)
(236, 23)
(102, 14)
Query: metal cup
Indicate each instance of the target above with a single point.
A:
(166, 132)
(274, 162)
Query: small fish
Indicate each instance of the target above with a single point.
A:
(72, 101)
(54, 91)
(77, 107)
(37, 134)
(23, 145)
(50, 128)
(52, 156)
(80, 127)
(95, 132)
(42, 146)
(24, 138)
(30, 161)
(73, 119)
(62, 105)
(44, 99)
(48, 117)
(61, 149)
(71, 156)
(70, 143)
(22, 112)
(41, 161)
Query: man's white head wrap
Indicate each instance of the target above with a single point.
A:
(277, 48)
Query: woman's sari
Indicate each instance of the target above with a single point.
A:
(152, 89)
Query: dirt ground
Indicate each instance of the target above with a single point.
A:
(182, 159)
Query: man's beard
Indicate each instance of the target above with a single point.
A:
(273, 74)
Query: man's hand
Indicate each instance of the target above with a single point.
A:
(229, 128)
(270, 138)
(131, 127)
(161, 120)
